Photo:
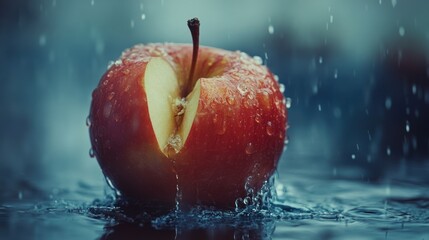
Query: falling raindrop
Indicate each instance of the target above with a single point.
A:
(319, 107)
(132, 23)
(388, 151)
(394, 3)
(92, 2)
(143, 17)
(388, 103)
(407, 126)
(414, 89)
(320, 59)
(270, 29)
(401, 31)
(337, 112)
(42, 40)
(353, 156)
(336, 73)
(331, 18)
(315, 89)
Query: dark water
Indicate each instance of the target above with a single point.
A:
(309, 205)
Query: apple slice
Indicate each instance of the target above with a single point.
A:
(171, 115)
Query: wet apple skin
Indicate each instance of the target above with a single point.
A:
(237, 136)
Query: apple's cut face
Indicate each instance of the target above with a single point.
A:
(171, 114)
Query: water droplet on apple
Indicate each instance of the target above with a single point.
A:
(111, 186)
(118, 62)
(258, 60)
(281, 135)
(110, 64)
(286, 142)
(88, 121)
(250, 149)
(270, 128)
(242, 88)
(107, 109)
(251, 95)
(126, 71)
(174, 143)
(230, 100)
(219, 124)
(288, 102)
(282, 87)
(91, 153)
(258, 118)
(276, 78)
(248, 103)
(243, 55)
(111, 95)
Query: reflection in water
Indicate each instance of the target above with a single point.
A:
(133, 231)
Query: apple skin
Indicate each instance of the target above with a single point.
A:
(236, 138)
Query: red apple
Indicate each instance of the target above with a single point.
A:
(205, 122)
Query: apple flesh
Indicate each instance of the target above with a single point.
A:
(154, 135)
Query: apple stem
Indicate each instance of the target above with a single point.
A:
(194, 26)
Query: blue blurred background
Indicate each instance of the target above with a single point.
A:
(356, 72)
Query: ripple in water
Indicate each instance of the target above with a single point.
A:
(307, 205)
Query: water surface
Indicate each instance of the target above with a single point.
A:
(309, 205)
